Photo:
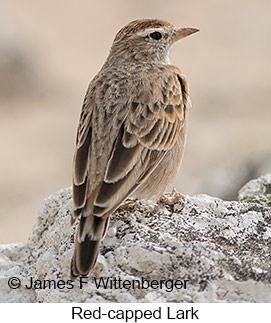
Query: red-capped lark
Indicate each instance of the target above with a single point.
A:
(132, 131)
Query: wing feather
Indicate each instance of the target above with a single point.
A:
(142, 137)
(81, 157)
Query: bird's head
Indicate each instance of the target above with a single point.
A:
(148, 40)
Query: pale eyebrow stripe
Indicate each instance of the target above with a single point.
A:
(147, 31)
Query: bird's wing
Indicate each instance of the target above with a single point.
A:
(148, 130)
(81, 157)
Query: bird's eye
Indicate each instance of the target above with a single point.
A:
(156, 35)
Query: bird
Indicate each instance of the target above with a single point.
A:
(131, 134)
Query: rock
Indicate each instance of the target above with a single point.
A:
(225, 180)
(256, 187)
(202, 249)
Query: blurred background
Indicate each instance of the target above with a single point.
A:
(50, 50)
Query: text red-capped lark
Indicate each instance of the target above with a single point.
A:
(131, 133)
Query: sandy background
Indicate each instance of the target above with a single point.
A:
(49, 51)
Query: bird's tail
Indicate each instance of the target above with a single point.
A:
(90, 232)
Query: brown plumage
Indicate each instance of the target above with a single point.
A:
(131, 133)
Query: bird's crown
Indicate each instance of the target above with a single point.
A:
(141, 25)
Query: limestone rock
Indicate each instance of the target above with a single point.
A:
(256, 187)
(220, 248)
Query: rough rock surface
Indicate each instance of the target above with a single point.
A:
(221, 247)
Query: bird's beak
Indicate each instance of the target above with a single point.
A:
(183, 32)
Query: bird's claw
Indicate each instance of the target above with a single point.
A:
(171, 199)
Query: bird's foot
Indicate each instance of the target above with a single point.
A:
(171, 199)
(126, 205)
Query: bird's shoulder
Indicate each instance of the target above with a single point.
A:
(124, 78)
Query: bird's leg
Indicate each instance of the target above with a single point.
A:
(170, 199)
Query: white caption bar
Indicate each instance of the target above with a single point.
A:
(132, 312)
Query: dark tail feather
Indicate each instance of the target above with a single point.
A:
(84, 257)
(90, 232)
